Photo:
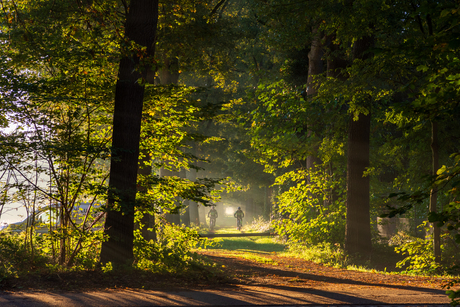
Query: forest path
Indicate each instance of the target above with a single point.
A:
(256, 274)
(282, 282)
(326, 285)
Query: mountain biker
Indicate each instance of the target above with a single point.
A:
(239, 217)
(213, 215)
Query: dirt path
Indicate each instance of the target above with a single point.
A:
(284, 271)
(286, 281)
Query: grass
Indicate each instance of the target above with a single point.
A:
(250, 256)
(224, 230)
(251, 248)
(249, 244)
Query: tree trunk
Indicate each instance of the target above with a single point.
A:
(140, 27)
(193, 206)
(185, 218)
(336, 63)
(62, 247)
(267, 205)
(172, 218)
(169, 74)
(315, 63)
(358, 229)
(433, 192)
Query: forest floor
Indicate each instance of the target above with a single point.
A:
(242, 271)
(235, 281)
(289, 271)
(230, 271)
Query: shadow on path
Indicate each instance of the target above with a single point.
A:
(245, 268)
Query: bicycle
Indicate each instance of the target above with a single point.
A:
(212, 223)
(239, 223)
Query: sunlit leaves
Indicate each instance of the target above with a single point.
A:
(309, 211)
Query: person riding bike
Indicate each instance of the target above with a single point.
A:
(212, 214)
(239, 214)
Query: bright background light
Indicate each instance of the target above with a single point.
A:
(229, 211)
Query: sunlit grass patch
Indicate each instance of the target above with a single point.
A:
(225, 230)
(327, 254)
(255, 244)
(249, 255)
(250, 248)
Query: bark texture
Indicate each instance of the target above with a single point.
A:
(315, 63)
(140, 27)
(358, 228)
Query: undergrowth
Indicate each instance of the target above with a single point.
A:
(324, 253)
(259, 225)
(171, 254)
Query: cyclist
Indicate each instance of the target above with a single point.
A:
(239, 214)
(212, 214)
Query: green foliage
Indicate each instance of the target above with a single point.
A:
(259, 225)
(172, 250)
(60, 70)
(277, 125)
(18, 259)
(58, 67)
(58, 91)
(325, 253)
(107, 268)
(171, 118)
(448, 179)
(311, 213)
(454, 295)
(14, 255)
(419, 254)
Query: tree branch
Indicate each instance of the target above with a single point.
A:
(214, 10)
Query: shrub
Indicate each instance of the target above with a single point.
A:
(420, 256)
(172, 251)
(259, 225)
(325, 253)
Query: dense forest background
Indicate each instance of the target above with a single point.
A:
(320, 117)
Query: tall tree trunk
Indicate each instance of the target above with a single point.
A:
(336, 63)
(315, 63)
(433, 192)
(358, 229)
(140, 27)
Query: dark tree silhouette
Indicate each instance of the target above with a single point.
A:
(140, 27)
